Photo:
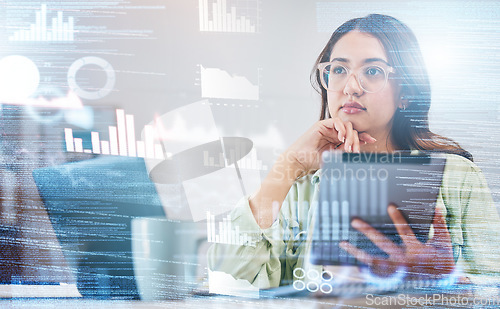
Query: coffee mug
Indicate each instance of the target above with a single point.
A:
(165, 257)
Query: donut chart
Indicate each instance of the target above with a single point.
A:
(91, 95)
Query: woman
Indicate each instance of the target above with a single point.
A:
(375, 98)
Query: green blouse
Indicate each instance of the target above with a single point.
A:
(271, 257)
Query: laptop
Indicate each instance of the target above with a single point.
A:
(91, 204)
(362, 185)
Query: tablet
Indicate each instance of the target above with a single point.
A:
(362, 186)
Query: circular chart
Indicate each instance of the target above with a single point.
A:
(91, 94)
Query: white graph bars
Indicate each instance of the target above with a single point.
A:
(40, 31)
(224, 18)
(121, 142)
(228, 234)
(250, 162)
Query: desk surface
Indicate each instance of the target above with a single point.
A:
(465, 299)
(198, 302)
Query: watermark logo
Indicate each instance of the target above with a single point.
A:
(430, 300)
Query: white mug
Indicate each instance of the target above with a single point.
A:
(165, 257)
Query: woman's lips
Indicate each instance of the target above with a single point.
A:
(352, 108)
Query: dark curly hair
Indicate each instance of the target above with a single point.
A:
(410, 128)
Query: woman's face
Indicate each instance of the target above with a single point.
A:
(368, 112)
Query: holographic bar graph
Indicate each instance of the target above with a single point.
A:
(39, 31)
(121, 142)
(224, 18)
(227, 233)
(250, 162)
(212, 162)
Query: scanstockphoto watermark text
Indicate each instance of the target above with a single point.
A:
(430, 300)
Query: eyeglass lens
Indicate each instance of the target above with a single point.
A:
(371, 78)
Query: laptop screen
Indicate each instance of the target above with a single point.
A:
(91, 204)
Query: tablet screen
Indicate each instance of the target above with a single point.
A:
(363, 185)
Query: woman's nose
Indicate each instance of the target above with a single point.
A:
(352, 86)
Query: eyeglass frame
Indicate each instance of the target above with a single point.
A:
(322, 65)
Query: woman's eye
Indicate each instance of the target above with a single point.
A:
(338, 70)
(374, 71)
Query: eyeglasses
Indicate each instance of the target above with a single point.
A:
(372, 78)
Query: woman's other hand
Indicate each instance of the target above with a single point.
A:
(324, 135)
(432, 259)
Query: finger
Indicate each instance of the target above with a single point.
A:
(326, 143)
(441, 234)
(328, 123)
(333, 129)
(367, 138)
(379, 239)
(340, 127)
(386, 267)
(349, 137)
(402, 226)
(359, 254)
(355, 146)
(327, 130)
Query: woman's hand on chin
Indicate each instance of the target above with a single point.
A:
(432, 259)
(328, 134)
